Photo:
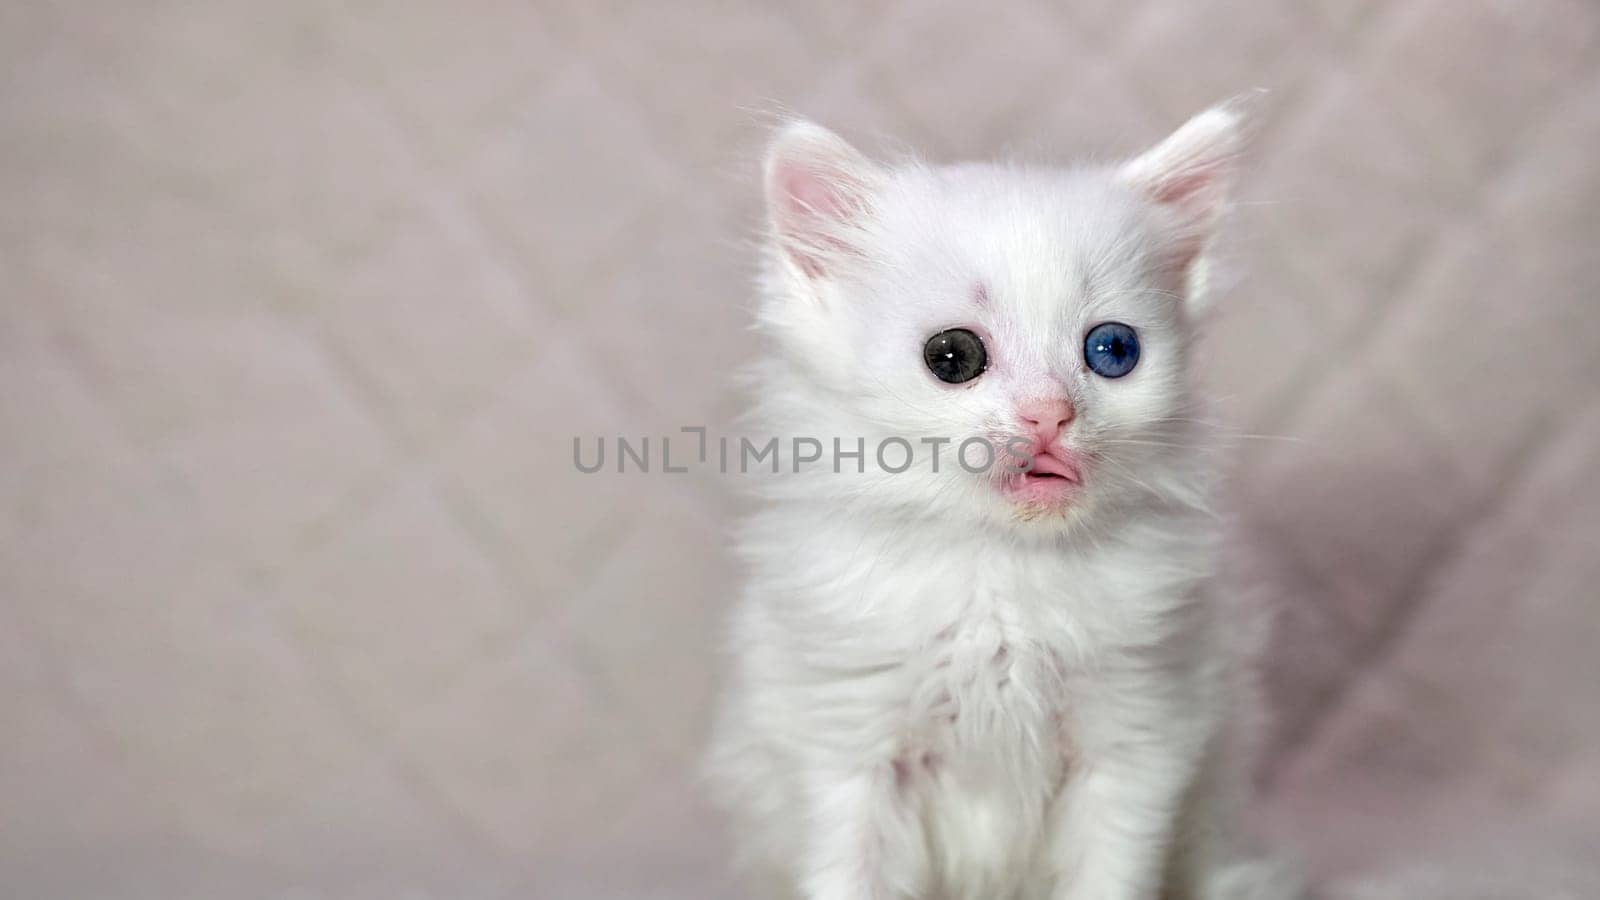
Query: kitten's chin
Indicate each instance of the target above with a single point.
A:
(1047, 514)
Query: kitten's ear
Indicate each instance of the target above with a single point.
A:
(819, 196)
(1191, 172)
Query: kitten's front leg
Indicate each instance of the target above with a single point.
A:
(862, 840)
(1118, 826)
(1119, 813)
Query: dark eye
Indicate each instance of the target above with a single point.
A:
(1111, 349)
(955, 356)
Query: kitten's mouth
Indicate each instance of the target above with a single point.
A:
(1050, 484)
(1048, 466)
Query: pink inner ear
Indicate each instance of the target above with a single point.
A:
(807, 193)
(1182, 188)
(817, 189)
(811, 203)
(1192, 191)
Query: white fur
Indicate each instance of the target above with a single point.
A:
(936, 694)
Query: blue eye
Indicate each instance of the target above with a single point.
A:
(1111, 349)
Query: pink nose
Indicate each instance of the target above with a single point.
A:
(1046, 418)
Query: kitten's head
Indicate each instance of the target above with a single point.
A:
(1048, 311)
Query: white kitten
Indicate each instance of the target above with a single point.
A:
(959, 686)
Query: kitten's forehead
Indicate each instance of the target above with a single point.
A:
(1032, 241)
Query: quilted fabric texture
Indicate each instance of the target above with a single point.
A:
(305, 301)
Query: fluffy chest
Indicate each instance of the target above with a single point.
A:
(986, 704)
(987, 748)
(988, 675)
(966, 646)
(972, 650)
